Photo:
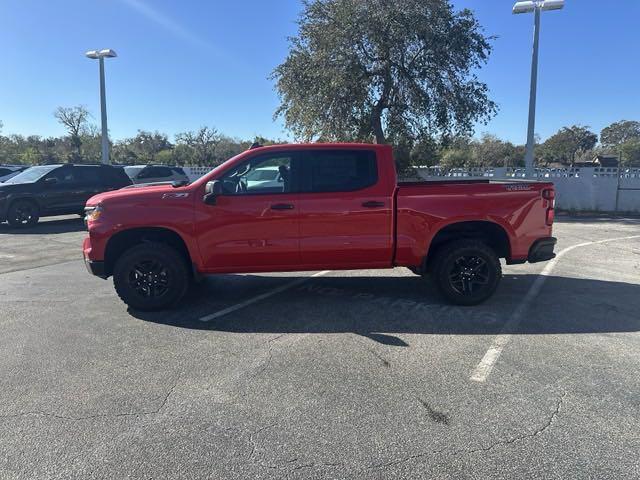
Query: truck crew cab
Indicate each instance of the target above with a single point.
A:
(335, 207)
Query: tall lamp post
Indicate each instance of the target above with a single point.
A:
(536, 7)
(101, 55)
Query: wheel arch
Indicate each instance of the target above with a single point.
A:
(21, 197)
(125, 239)
(491, 233)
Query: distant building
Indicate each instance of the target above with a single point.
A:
(605, 161)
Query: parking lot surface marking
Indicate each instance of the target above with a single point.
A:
(484, 368)
(257, 298)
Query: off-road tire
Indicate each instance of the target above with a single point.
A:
(466, 272)
(155, 268)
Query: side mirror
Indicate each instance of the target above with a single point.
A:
(211, 192)
(50, 181)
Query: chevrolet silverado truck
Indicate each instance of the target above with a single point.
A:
(333, 207)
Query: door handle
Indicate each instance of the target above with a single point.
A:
(373, 204)
(282, 206)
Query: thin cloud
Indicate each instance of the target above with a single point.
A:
(167, 23)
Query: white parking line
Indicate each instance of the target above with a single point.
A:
(483, 369)
(270, 293)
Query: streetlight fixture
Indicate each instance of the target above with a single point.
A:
(101, 55)
(535, 6)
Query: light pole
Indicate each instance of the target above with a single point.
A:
(536, 7)
(100, 55)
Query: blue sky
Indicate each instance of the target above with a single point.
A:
(184, 64)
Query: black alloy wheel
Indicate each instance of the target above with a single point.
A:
(151, 276)
(466, 272)
(469, 274)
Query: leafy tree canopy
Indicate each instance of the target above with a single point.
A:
(566, 144)
(382, 70)
(202, 144)
(630, 153)
(76, 122)
(620, 132)
(143, 148)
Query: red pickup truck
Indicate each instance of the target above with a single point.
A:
(315, 207)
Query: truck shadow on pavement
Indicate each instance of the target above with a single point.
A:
(379, 307)
(47, 227)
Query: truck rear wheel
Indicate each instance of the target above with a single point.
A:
(466, 272)
(151, 276)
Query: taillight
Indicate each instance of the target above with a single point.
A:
(550, 216)
(548, 194)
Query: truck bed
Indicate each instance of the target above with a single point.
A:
(426, 207)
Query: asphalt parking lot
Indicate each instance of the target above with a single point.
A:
(352, 375)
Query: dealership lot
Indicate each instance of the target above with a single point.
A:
(339, 375)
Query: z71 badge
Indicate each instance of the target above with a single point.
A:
(516, 188)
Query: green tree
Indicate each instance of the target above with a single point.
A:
(166, 157)
(567, 143)
(490, 151)
(620, 132)
(148, 145)
(201, 145)
(383, 71)
(456, 152)
(425, 152)
(143, 148)
(76, 121)
(630, 153)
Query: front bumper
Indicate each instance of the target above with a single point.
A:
(95, 268)
(542, 250)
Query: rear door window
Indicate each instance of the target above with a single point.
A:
(338, 170)
(88, 176)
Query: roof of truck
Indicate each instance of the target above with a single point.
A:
(322, 145)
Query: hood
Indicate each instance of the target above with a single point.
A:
(133, 194)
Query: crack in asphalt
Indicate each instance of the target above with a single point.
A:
(267, 362)
(286, 465)
(508, 441)
(100, 415)
(252, 442)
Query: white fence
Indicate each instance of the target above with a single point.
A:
(578, 189)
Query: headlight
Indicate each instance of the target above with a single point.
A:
(91, 214)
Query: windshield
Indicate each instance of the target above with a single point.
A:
(32, 174)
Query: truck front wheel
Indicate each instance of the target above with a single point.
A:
(151, 276)
(466, 272)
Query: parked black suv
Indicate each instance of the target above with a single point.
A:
(55, 190)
